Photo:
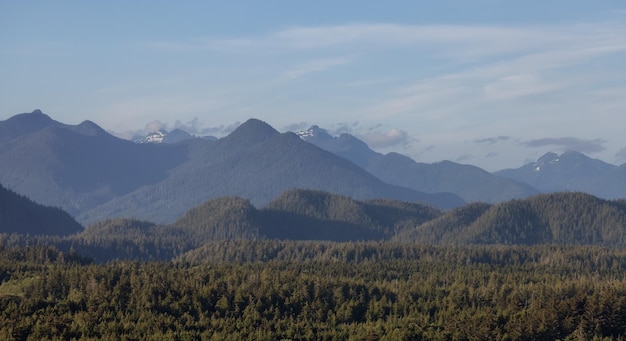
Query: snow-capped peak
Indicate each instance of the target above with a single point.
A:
(313, 132)
(546, 160)
(153, 137)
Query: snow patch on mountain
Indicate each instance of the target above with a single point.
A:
(153, 137)
(315, 132)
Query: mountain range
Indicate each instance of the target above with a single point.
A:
(164, 136)
(570, 171)
(94, 175)
(469, 182)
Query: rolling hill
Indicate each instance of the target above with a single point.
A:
(568, 218)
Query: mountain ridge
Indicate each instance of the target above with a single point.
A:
(95, 175)
(469, 182)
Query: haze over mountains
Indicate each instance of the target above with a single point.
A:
(570, 171)
(259, 183)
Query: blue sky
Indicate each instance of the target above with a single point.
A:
(490, 83)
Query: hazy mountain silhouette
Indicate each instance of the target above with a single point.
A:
(94, 175)
(571, 171)
(257, 163)
(24, 124)
(469, 182)
(77, 167)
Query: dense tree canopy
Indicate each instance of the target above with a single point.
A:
(269, 290)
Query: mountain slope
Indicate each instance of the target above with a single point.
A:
(611, 185)
(469, 182)
(19, 214)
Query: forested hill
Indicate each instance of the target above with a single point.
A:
(560, 218)
(19, 214)
(303, 215)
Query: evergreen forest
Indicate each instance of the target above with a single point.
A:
(312, 290)
(315, 266)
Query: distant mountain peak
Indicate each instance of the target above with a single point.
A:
(546, 160)
(569, 158)
(163, 136)
(256, 125)
(251, 132)
(24, 124)
(152, 137)
(34, 116)
(89, 128)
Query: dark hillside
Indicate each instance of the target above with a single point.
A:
(19, 214)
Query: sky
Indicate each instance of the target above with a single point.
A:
(495, 84)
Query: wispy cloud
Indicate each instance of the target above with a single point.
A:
(518, 85)
(385, 139)
(569, 143)
(469, 40)
(481, 39)
(314, 66)
(493, 140)
(620, 156)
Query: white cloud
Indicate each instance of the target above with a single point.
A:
(518, 85)
(442, 79)
(377, 139)
(315, 66)
(569, 143)
(135, 112)
(455, 41)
